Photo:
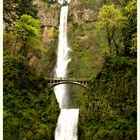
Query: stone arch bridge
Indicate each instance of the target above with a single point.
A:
(61, 80)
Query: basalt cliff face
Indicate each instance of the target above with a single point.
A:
(81, 21)
(48, 15)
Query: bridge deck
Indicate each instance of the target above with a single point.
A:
(66, 79)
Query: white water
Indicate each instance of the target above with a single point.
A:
(67, 122)
(62, 1)
(67, 125)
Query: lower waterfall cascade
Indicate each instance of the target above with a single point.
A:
(66, 128)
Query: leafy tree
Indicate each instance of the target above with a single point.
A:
(26, 7)
(130, 30)
(30, 107)
(121, 3)
(110, 21)
(108, 108)
(13, 9)
(28, 34)
(124, 2)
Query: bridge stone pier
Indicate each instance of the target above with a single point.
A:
(61, 80)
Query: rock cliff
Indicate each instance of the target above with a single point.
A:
(81, 20)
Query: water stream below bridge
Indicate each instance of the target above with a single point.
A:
(66, 128)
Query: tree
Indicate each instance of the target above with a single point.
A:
(13, 9)
(28, 34)
(130, 30)
(121, 3)
(108, 109)
(30, 107)
(26, 7)
(110, 21)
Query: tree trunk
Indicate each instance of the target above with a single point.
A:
(110, 35)
(109, 43)
(116, 47)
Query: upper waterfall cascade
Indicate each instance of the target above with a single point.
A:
(67, 122)
(62, 56)
(63, 1)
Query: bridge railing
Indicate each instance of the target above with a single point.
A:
(65, 79)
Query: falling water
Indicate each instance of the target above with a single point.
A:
(67, 122)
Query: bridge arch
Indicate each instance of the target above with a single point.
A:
(68, 82)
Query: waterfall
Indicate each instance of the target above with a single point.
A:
(66, 128)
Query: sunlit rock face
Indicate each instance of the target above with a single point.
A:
(48, 14)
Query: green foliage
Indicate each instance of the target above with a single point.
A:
(13, 9)
(108, 108)
(124, 2)
(120, 3)
(49, 61)
(28, 33)
(26, 7)
(133, 49)
(30, 106)
(9, 43)
(110, 22)
(130, 30)
(27, 26)
(109, 17)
